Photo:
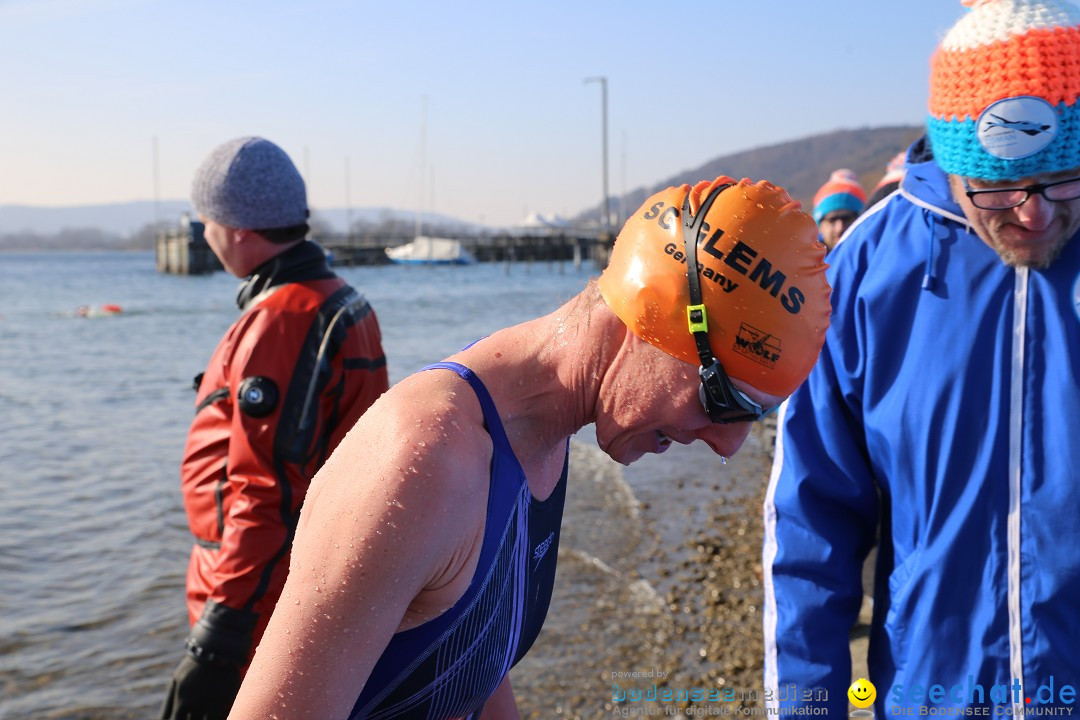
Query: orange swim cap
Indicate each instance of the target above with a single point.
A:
(762, 276)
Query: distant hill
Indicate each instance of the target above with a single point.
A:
(125, 226)
(131, 226)
(123, 219)
(800, 166)
(128, 218)
(338, 219)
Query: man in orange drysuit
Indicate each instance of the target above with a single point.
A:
(285, 384)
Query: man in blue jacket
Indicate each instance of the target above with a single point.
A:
(943, 417)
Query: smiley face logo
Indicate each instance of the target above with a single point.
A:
(862, 693)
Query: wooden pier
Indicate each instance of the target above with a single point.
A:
(184, 251)
(371, 250)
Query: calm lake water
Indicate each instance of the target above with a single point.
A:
(93, 416)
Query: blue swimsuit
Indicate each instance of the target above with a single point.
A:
(449, 666)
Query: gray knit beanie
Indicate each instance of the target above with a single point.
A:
(250, 183)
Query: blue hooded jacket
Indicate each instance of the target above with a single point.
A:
(943, 415)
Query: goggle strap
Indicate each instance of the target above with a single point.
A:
(691, 228)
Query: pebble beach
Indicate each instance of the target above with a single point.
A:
(677, 604)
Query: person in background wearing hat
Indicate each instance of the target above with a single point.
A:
(425, 555)
(286, 382)
(943, 414)
(890, 181)
(836, 205)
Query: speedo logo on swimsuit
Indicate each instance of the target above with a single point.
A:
(759, 346)
(541, 550)
(742, 258)
(1017, 127)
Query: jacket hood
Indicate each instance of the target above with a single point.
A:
(927, 185)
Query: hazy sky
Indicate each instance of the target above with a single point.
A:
(511, 125)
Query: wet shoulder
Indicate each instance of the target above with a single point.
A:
(433, 422)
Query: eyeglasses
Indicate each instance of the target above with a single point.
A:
(1005, 198)
(723, 402)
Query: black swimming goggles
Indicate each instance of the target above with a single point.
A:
(723, 402)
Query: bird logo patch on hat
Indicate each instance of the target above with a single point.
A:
(1017, 127)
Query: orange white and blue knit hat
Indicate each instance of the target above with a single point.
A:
(1004, 87)
(841, 191)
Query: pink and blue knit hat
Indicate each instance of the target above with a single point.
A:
(842, 191)
(894, 170)
(1003, 90)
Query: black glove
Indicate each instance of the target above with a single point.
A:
(201, 691)
(207, 679)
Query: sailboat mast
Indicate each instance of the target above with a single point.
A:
(423, 165)
(157, 191)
